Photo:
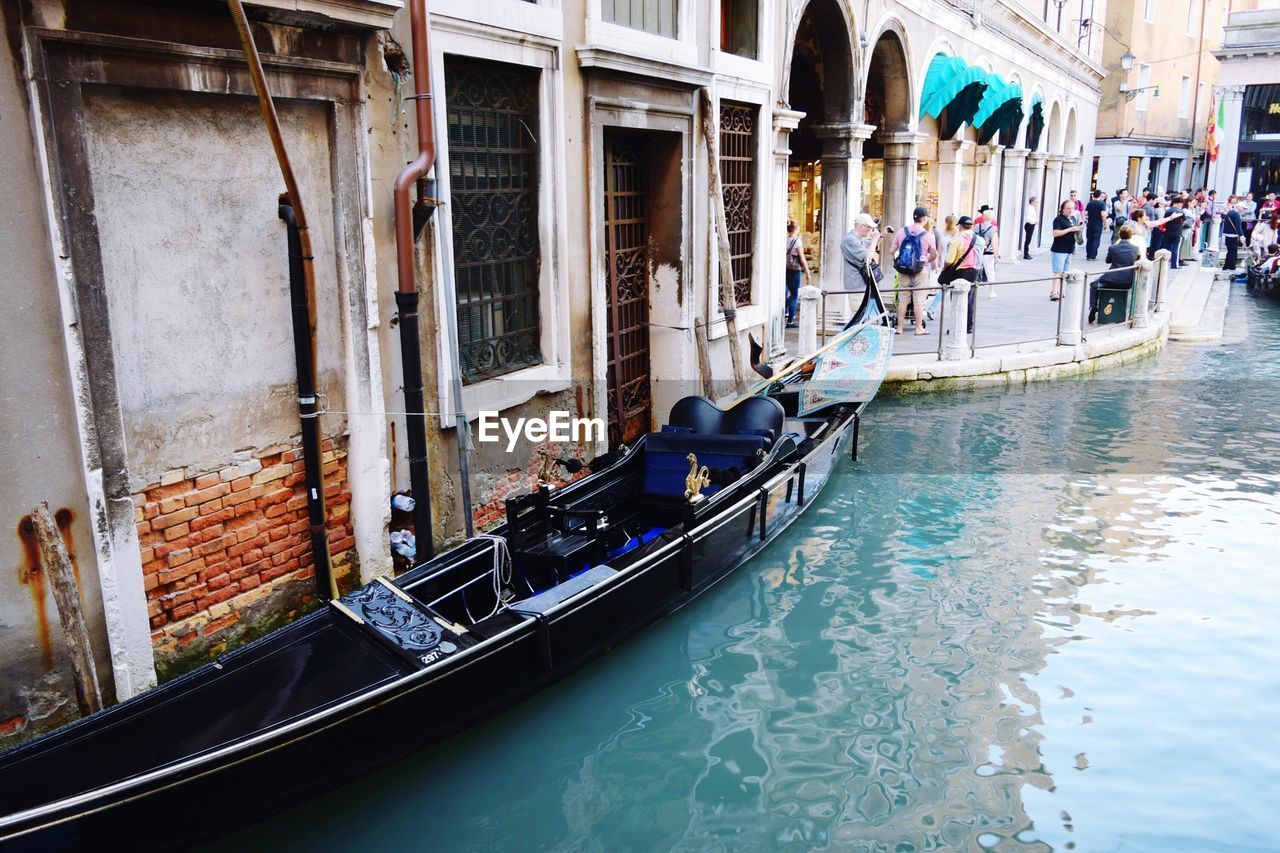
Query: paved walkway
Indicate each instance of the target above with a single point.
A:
(1019, 313)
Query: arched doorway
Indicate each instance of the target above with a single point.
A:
(891, 179)
(820, 84)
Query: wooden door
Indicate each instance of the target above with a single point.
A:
(626, 227)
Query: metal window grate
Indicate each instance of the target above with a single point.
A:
(493, 187)
(737, 178)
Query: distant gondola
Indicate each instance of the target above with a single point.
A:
(397, 665)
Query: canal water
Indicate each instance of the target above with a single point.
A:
(1039, 618)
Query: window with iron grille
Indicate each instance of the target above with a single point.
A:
(493, 187)
(737, 179)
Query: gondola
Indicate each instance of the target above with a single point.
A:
(399, 664)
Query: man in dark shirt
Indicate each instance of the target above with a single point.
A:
(1232, 231)
(1095, 218)
(1177, 216)
(1120, 254)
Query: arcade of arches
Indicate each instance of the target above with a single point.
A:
(866, 145)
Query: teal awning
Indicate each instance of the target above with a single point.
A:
(1035, 124)
(948, 77)
(997, 95)
(1000, 112)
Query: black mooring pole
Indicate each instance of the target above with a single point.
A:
(308, 409)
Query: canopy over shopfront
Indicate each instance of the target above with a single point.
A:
(957, 93)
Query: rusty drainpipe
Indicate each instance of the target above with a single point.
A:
(407, 296)
(304, 315)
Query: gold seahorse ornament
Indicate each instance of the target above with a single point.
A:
(697, 479)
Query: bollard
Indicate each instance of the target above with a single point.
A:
(1215, 226)
(1070, 331)
(956, 314)
(1161, 272)
(1141, 292)
(809, 296)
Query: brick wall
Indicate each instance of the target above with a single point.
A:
(493, 489)
(226, 554)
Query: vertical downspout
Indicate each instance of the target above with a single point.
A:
(407, 298)
(301, 278)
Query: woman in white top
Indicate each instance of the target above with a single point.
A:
(1030, 219)
(1263, 236)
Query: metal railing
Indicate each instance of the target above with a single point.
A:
(1156, 284)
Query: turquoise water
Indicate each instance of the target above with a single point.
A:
(1028, 619)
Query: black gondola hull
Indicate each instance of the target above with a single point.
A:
(385, 710)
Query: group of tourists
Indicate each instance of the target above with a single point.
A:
(925, 254)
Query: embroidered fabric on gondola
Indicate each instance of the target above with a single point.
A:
(851, 371)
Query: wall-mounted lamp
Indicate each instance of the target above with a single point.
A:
(1126, 61)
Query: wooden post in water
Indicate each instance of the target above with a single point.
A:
(704, 359)
(56, 564)
(716, 192)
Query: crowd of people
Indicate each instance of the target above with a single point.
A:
(925, 254)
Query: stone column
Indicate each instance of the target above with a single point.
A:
(1222, 171)
(901, 149)
(1070, 331)
(1013, 202)
(955, 347)
(1071, 178)
(986, 176)
(1054, 192)
(1141, 293)
(841, 193)
(775, 286)
(951, 156)
(1034, 186)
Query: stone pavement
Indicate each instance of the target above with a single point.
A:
(1021, 313)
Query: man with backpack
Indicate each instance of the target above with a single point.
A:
(915, 252)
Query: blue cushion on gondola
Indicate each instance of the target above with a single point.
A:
(666, 464)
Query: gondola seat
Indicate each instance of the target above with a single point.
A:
(729, 442)
(753, 416)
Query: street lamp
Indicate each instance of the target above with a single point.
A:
(1126, 61)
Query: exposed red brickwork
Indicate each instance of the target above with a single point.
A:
(215, 542)
(490, 511)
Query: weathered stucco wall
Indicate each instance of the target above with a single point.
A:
(197, 272)
(39, 456)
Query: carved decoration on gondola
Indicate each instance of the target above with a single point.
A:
(698, 479)
(394, 618)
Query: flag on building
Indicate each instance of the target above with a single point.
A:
(1213, 133)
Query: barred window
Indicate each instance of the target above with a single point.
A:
(737, 178)
(653, 16)
(493, 186)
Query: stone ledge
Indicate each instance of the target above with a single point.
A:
(1059, 363)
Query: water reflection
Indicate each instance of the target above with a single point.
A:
(1029, 619)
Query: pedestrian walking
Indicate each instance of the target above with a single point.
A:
(962, 261)
(797, 267)
(1119, 212)
(1232, 232)
(1074, 198)
(1065, 229)
(986, 227)
(1031, 218)
(914, 255)
(1095, 220)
